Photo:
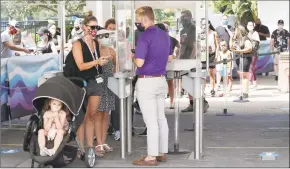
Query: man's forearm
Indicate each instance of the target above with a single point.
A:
(16, 48)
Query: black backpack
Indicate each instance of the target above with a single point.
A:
(70, 69)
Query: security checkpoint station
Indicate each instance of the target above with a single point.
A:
(234, 141)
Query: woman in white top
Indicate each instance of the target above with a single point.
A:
(254, 36)
(213, 47)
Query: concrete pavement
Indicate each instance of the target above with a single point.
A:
(261, 125)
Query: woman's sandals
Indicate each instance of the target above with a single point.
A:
(107, 148)
(102, 149)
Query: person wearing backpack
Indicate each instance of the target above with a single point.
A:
(255, 39)
(241, 45)
(224, 31)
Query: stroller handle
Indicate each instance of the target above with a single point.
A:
(78, 79)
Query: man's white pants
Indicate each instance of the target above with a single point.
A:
(151, 96)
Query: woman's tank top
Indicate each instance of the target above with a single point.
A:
(71, 69)
(211, 41)
(87, 57)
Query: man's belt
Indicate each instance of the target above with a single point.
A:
(150, 76)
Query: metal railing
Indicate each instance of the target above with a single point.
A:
(33, 26)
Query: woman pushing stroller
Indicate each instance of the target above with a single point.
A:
(55, 125)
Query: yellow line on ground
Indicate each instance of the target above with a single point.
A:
(247, 147)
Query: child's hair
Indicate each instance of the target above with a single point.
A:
(46, 107)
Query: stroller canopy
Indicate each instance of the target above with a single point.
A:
(61, 89)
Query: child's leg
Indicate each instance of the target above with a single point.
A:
(230, 83)
(218, 77)
(58, 139)
(41, 138)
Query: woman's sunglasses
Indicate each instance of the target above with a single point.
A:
(93, 27)
(105, 35)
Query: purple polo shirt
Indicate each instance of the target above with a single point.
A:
(153, 46)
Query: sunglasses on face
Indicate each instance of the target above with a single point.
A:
(105, 35)
(93, 27)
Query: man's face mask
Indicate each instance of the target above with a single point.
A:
(280, 27)
(140, 27)
(225, 22)
(13, 30)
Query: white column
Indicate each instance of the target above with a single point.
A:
(101, 9)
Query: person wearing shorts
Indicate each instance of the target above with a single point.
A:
(279, 42)
(86, 56)
(241, 45)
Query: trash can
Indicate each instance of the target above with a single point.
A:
(48, 75)
(283, 80)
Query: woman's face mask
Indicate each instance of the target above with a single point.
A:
(106, 39)
(250, 27)
(43, 37)
(106, 42)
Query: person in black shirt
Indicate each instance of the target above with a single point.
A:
(279, 42)
(174, 44)
(262, 30)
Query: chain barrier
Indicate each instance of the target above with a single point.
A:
(225, 61)
(212, 64)
(229, 60)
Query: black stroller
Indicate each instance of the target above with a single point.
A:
(71, 92)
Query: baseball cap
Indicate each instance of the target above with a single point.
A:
(14, 23)
(42, 30)
(281, 22)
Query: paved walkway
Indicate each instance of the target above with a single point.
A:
(262, 125)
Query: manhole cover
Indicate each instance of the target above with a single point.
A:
(268, 156)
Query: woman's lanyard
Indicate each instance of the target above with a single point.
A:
(94, 58)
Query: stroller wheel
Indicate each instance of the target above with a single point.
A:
(90, 157)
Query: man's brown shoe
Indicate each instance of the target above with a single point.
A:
(161, 158)
(142, 162)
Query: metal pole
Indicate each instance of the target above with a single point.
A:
(129, 121)
(122, 117)
(197, 128)
(130, 97)
(61, 24)
(176, 150)
(176, 113)
(201, 117)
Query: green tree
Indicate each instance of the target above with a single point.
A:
(244, 10)
(32, 7)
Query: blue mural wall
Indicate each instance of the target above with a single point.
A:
(23, 73)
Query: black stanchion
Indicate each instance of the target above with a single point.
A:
(226, 90)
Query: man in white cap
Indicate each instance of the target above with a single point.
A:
(7, 46)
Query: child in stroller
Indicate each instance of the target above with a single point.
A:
(64, 96)
(55, 125)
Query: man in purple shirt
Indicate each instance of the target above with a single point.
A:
(151, 57)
